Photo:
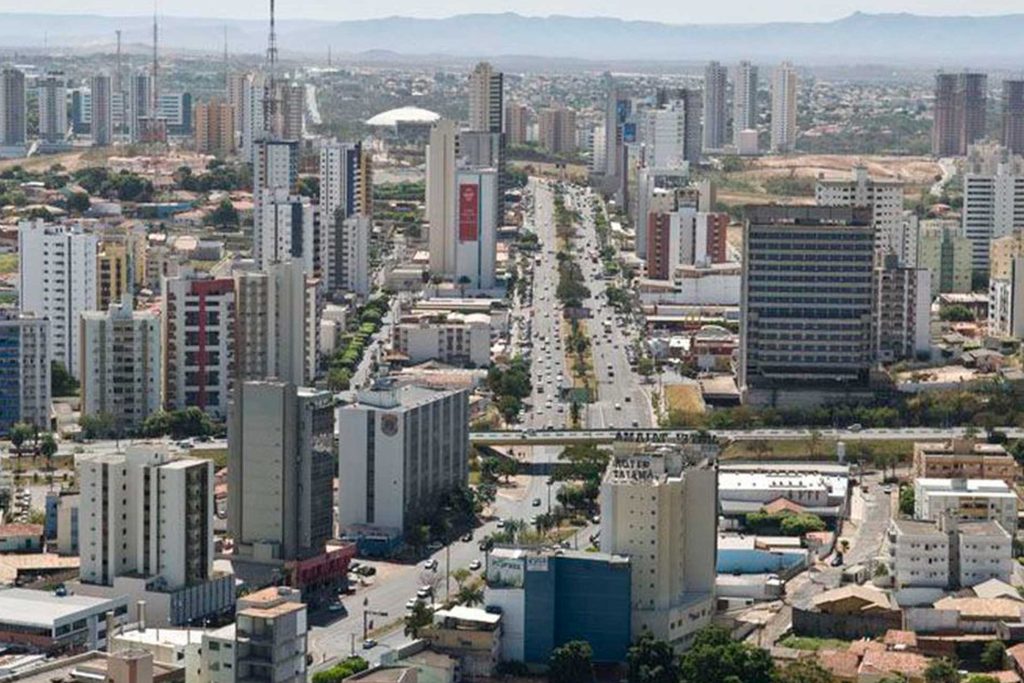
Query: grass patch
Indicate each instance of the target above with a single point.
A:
(800, 449)
(813, 644)
(685, 398)
(219, 456)
(8, 263)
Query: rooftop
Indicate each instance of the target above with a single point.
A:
(987, 527)
(14, 530)
(34, 608)
(393, 117)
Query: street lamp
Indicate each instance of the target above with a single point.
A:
(368, 613)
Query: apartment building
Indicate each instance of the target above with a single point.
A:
(958, 119)
(24, 370)
(290, 228)
(558, 130)
(947, 254)
(966, 500)
(486, 99)
(902, 311)
(454, 339)
(215, 128)
(883, 197)
(993, 199)
(122, 364)
(659, 509)
(1006, 302)
(516, 123)
(744, 102)
(684, 237)
(947, 554)
(964, 459)
(784, 86)
(112, 263)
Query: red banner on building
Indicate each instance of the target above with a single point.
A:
(469, 212)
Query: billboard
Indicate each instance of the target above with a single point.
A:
(469, 212)
(629, 132)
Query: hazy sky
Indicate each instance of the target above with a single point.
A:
(674, 11)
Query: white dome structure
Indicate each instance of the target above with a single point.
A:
(393, 117)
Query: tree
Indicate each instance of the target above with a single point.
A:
(956, 314)
(800, 524)
(62, 383)
(941, 671)
(48, 447)
(339, 379)
(508, 468)
(417, 619)
(814, 443)
(761, 447)
(469, 596)
(510, 407)
(341, 670)
(645, 366)
(652, 661)
(982, 678)
(574, 413)
(571, 663)
(907, 500)
(98, 426)
(78, 203)
(804, 670)
(20, 433)
(464, 281)
(460, 575)
(993, 655)
(716, 658)
(224, 216)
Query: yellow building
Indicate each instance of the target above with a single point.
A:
(964, 459)
(1002, 251)
(215, 128)
(111, 273)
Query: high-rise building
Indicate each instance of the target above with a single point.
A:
(947, 254)
(993, 198)
(215, 128)
(659, 508)
(902, 311)
(57, 280)
(345, 206)
(276, 314)
(275, 169)
(351, 255)
(883, 197)
(292, 98)
(52, 96)
(121, 364)
(281, 471)
(111, 274)
(143, 512)
(289, 228)
(692, 103)
(744, 100)
(1013, 116)
(784, 132)
(403, 449)
(517, 118)
(236, 99)
(13, 117)
(1003, 251)
(24, 370)
(558, 130)
(440, 196)
(958, 119)
(1006, 302)
(139, 109)
(716, 82)
(486, 93)
(823, 258)
(684, 237)
(663, 132)
(254, 91)
(475, 232)
(101, 111)
(199, 342)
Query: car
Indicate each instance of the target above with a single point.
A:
(424, 592)
(536, 502)
(837, 561)
(596, 519)
(618, 406)
(436, 545)
(474, 565)
(335, 607)
(501, 524)
(856, 427)
(430, 564)
(411, 603)
(467, 537)
(369, 644)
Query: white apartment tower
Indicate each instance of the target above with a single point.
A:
(24, 369)
(289, 228)
(784, 82)
(143, 512)
(993, 198)
(475, 230)
(57, 280)
(744, 100)
(716, 81)
(102, 110)
(485, 99)
(660, 509)
(883, 197)
(275, 172)
(13, 117)
(664, 135)
(343, 210)
(53, 109)
(440, 196)
(122, 364)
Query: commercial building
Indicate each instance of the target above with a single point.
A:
(441, 196)
(402, 450)
(959, 113)
(1013, 116)
(280, 471)
(716, 82)
(57, 280)
(276, 324)
(486, 93)
(51, 97)
(215, 128)
(558, 130)
(744, 103)
(902, 311)
(548, 599)
(101, 110)
(144, 513)
(454, 339)
(21, 538)
(122, 364)
(966, 500)
(199, 342)
(659, 508)
(13, 117)
(471, 635)
(52, 622)
(820, 489)
(517, 118)
(24, 370)
(1006, 302)
(476, 233)
(993, 198)
(947, 554)
(806, 301)
(784, 131)
(947, 254)
(963, 459)
(685, 237)
(883, 197)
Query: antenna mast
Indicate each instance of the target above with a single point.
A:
(270, 96)
(155, 98)
(227, 71)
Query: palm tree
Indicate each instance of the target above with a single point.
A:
(419, 618)
(470, 595)
(20, 433)
(49, 448)
(460, 575)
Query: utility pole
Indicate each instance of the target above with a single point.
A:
(370, 613)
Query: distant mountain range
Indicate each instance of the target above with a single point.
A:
(903, 39)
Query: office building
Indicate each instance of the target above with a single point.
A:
(51, 94)
(1013, 116)
(1006, 302)
(454, 339)
(716, 82)
(402, 450)
(13, 116)
(962, 458)
(659, 509)
(174, 110)
(547, 599)
(199, 342)
(81, 106)
(558, 130)
(215, 128)
(993, 199)
(684, 237)
(744, 102)
(276, 324)
(281, 471)
(42, 620)
(806, 299)
(784, 131)
(289, 228)
(945, 252)
(517, 119)
(958, 119)
(112, 265)
(902, 311)
(101, 111)
(121, 364)
(883, 197)
(966, 500)
(57, 280)
(24, 370)
(440, 196)
(145, 513)
(486, 92)
(476, 233)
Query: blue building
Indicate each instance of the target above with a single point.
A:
(24, 370)
(550, 598)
